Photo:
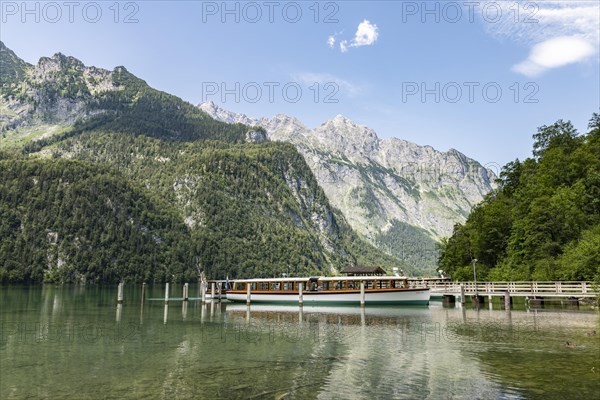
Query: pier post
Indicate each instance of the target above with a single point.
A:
(462, 294)
(248, 285)
(536, 302)
(184, 306)
(143, 292)
(213, 292)
(167, 293)
(362, 293)
(507, 300)
(120, 294)
(203, 292)
(185, 291)
(448, 300)
(300, 293)
(573, 303)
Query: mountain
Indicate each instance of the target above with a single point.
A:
(107, 179)
(401, 197)
(40, 101)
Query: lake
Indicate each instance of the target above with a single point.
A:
(60, 342)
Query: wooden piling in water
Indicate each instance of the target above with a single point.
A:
(300, 293)
(507, 300)
(167, 293)
(448, 299)
(362, 293)
(462, 294)
(248, 286)
(203, 292)
(477, 299)
(120, 293)
(213, 292)
(573, 302)
(185, 291)
(143, 292)
(537, 302)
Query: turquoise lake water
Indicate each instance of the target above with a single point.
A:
(74, 342)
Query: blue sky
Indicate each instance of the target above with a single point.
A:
(428, 72)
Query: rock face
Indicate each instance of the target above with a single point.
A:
(400, 196)
(247, 206)
(56, 91)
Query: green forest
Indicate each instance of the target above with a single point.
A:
(69, 221)
(144, 186)
(136, 208)
(135, 184)
(543, 221)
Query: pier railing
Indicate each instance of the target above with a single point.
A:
(532, 289)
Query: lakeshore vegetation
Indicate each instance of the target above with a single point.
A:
(543, 221)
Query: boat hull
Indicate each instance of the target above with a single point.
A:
(389, 297)
(209, 296)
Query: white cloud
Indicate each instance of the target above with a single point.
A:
(554, 53)
(331, 41)
(366, 34)
(344, 46)
(558, 32)
(310, 78)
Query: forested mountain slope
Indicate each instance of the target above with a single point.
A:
(220, 198)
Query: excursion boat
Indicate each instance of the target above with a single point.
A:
(347, 290)
(221, 288)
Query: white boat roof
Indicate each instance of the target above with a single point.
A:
(322, 278)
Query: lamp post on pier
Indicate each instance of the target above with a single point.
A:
(475, 276)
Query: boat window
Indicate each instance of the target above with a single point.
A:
(275, 286)
(253, 286)
(351, 284)
(369, 285)
(288, 285)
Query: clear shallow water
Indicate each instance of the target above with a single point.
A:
(74, 342)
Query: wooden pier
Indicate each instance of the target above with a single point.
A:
(532, 291)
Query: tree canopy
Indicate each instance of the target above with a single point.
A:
(543, 221)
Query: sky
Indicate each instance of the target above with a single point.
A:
(476, 76)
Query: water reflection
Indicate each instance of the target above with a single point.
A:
(79, 343)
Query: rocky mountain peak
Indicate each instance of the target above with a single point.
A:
(343, 135)
(219, 113)
(391, 190)
(60, 61)
(12, 68)
(283, 124)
